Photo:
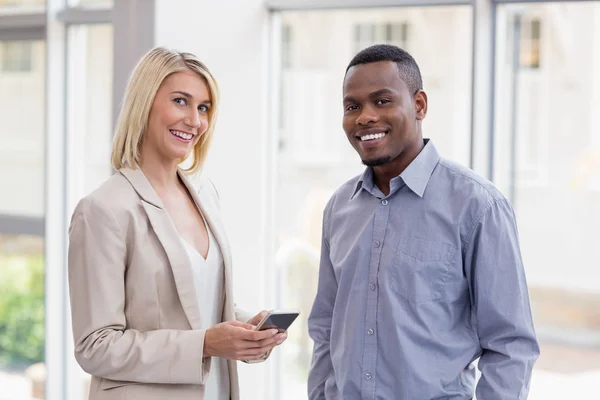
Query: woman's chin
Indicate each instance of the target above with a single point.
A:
(179, 154)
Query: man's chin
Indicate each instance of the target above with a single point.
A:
(376, 162)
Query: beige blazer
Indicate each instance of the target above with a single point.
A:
(136, 322)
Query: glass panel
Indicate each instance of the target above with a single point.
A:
(89, 119)
(314, 155)
(22, 98)
(22, 332)
(90, 105)
(548, 161)
(22, 5)
(92, 3)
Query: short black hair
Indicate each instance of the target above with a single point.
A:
(409, 70)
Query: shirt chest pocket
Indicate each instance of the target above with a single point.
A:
(420, 269)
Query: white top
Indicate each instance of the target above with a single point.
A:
(210, 291)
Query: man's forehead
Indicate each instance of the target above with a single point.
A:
(372, 78)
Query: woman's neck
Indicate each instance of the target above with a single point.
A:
(162, 177)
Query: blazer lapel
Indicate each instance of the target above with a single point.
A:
(169, 238)
(207, 205)
(206, 200)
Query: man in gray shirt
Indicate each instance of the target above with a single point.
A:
(421, 271)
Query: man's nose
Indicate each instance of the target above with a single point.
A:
(367, 116)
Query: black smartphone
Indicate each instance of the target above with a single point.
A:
(278, 319)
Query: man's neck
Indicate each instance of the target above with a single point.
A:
(383, 174)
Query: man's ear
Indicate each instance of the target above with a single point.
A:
(421, 104)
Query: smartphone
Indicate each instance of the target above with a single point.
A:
(278, 319)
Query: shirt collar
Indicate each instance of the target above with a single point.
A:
(415, 176)
(364, 182)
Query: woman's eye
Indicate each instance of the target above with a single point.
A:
(181, 101)
(203, 108)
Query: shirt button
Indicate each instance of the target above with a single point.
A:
(376, 243)
(370, 332)
(368, 376)
(384, 202)
(372, 286)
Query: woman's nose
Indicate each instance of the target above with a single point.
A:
(193, 120)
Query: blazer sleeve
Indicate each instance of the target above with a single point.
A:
(243, 315)
(104, 346)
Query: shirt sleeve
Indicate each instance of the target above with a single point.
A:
(501, 304)
(321, 379)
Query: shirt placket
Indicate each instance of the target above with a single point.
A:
(369, 359)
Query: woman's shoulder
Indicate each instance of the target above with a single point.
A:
(208, 191)
(113, 196)
(205, 185)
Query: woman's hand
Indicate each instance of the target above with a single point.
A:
(258, 317)
(238, 341)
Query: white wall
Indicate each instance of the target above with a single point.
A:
(231, 38)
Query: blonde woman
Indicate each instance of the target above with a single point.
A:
(149, 263)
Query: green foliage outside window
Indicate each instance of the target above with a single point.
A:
(21, 310)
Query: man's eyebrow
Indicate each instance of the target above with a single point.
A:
(350, 99)
(381, 92)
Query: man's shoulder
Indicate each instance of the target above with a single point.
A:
(345, 191)
(467, 181)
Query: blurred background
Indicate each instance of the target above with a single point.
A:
(514, 91)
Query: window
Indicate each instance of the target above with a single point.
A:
(22, 261)
(530, 43)
(548, 143)
(92, 3)
(16, 56)
(286, 46)
(368, 34)
(397, 34)
(90, 106)
(22, 145)
(21, 3)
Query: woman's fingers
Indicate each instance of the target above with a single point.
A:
(272, 341)
(237, 340)
(254, 353)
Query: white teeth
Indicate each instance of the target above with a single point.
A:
(372, 136)
(183, 135)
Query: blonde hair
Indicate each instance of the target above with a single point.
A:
(142, 87)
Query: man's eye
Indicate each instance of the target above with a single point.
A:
(382, 101)
(351, 108)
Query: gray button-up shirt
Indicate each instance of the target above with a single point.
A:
(417, 285)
